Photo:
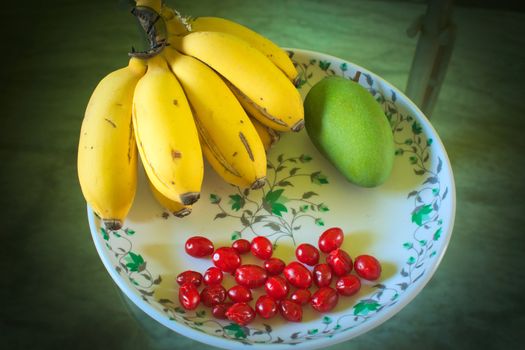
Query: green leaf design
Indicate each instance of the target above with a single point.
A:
(135, 262)
(437, 234)
(365, 306)
(416, 128)
(201, 313)
(237, 202)
(129, 232)
(408, 142)
(319, 222)
(310, 194)
(408, 245)
(273, 196)
(284, 183)
(304, 208)
(421, 214)
(327, 320)
(411, 260)
(236, 331)
(294, 171)
(235, 235)
(274, 226)
(318, 178)
(413, 159)
(323, 208)
(179, 310)
(429, 142)
(215, 199)
(104, 233)
(324, 65)
(278, 208)
(312, 331)
(399, 152)
(304, 158)
(343, 66)
(220, 216)
(432, 254)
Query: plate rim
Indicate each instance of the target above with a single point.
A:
(409, 296)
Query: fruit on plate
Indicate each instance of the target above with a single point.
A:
(265, 46)
(207, 88)
(279, 296)
(107, 155)
(232, 145)
(348, 126)
(166, 134)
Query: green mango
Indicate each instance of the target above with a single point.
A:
(348, 126)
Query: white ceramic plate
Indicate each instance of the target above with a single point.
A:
(406, 223)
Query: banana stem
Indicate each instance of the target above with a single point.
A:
(148, 18)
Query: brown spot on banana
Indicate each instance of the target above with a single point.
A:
(246, 145)
(175, 102)
(175, 154)
(131, 139)
(111, 122)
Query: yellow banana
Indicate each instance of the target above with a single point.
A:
(107, 154)
(166, 134)
(261, 87)
(267, 135)
(176, 208)
(274, 53)
(231, 139)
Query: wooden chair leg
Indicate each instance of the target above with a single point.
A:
(437, 35)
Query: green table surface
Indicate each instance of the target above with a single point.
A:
(55, 292)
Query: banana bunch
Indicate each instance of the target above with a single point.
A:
(213, 89)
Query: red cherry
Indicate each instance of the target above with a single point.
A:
(213, 275)
(241, 246)
(276, 287)
(198, 246)
(213, 295)
(298, 275)
(348, 285)
(239, 294)
(307, 254)
(322, 275)
(227, 259)
(261, 247)
(367, 267)
(301, 296)
(240, 313)
(324, 299)
(219, 310)
(331, 239)
(189, 296)
(340, 262)
(291, 310)
(251, 276)
(189, 276)
(265, 306)
(274, 266)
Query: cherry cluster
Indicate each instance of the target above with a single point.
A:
(276, 276)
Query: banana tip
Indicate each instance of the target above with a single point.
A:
(298, 126)
(258, 183)
(112, 224)
(182, 213)
(189, 198)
